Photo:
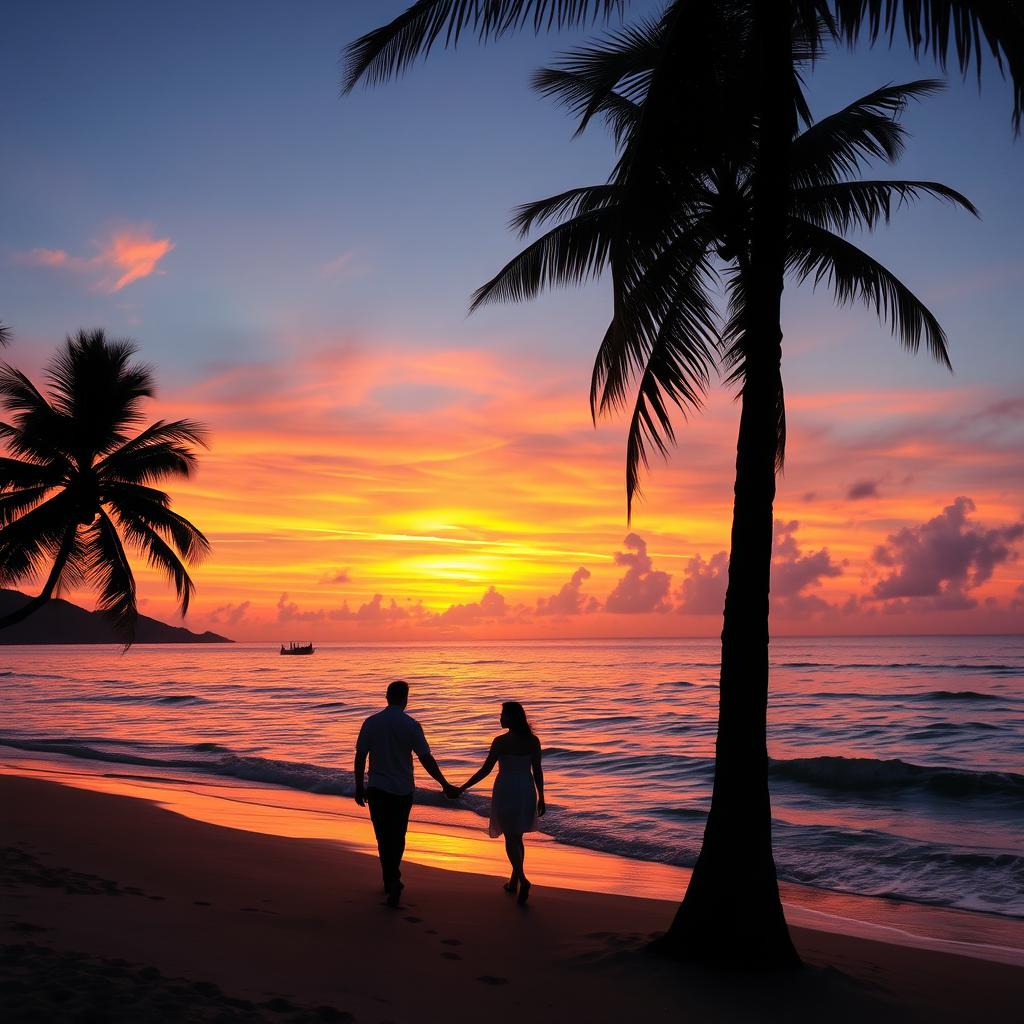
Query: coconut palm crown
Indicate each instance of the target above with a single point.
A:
(666, 339)
(76, 488)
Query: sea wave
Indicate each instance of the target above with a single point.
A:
(930, 696)
(997, 668)
(865, 774)
(868, 861)
(174, 699)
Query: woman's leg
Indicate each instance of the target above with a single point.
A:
(524, 882)
(514, 850)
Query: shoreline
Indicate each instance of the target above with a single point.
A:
(454, 839)
(187, 912)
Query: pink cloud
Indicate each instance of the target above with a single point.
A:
(336, 576)
(570, 599)
(48, 258)
(231, 614)
(339, 265)
(136, 254)
(490, 606)
(128, 255)
(375, 610)
(794, 575)
(703, 588)
(289, 611)
(643, 588)
(937, 563)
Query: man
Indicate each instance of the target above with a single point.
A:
(390, 737)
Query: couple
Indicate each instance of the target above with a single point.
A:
(390, 738)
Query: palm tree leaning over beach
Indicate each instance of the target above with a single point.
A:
(718, 920)
(76, 487)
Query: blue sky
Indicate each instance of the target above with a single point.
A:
(221, 126)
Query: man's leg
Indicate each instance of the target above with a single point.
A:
(402, 808)
(390, 816)
(380, 815)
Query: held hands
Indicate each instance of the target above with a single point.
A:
(452, 792)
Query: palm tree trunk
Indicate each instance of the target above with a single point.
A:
(731, 912)
(35, 603)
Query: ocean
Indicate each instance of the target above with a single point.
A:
(897, 763)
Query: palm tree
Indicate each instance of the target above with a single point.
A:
(76, 487)
(666, 340)
(731, 911)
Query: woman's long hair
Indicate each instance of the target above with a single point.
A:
(515, 715)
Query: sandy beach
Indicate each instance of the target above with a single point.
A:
(117, 909)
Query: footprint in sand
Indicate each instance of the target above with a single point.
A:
(451, 942)
(414, 920)
(492, 979)
(202, 903)
(451, 956)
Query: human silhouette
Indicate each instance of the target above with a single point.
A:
(390, 737)
(518, 797)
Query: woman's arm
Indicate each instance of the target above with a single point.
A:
(488, 766)
(538, 778)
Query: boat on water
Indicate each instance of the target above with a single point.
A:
(297, 648)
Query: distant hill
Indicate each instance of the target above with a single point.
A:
(61, 622)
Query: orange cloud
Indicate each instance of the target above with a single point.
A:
(128, 255)
(136, 254)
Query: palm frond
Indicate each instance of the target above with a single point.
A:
(6, 333)
(845, 205)
(15, 503)
(566, 204)
(674, 288)
(585, 80)
(388, 51)
(159, 554)
(678, 370)
(19, 395)
(620, 113)
(30, 541)
(571, 253)
(109, 572)
(151, 507)
(968, 28)
(160, 451)
(821, 256)
(18, 473)
(838, 146)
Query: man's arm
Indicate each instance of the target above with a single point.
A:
(360, 771)
(430, 766)
(422, 750)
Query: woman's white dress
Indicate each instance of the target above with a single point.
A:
(514, 800)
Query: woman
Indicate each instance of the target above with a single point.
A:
(518, 798)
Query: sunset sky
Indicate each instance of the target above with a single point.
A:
(297, 266)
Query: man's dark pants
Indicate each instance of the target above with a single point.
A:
(390, 816)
